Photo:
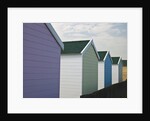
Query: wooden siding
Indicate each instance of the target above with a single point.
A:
(124, 73)
(90, 71)
(115, 76)
(108, 71)
(41, 62)
(100, 75)
(120, 70)
(71, 76)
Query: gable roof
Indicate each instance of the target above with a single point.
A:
(53, 32)
(115, 60)
(102, 55)
(74, 46)
(124, 62)
(78, 47)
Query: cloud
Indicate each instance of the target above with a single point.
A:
(107, 36)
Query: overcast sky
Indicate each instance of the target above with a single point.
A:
(106, 36)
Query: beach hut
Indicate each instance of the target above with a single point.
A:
(104, 69)
(41, 61)
(116, 70)
(124, 70)
(79, 69)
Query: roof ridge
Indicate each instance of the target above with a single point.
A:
(77, 41)
(102, 51)
(116, 57)
(74, 46)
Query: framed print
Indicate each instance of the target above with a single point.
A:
(74, 60)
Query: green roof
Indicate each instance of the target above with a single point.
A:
(124, 62)
(115, 60)
(74, 46)
(102, 55)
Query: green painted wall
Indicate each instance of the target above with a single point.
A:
(90, 71)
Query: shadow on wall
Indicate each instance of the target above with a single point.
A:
(118, 90)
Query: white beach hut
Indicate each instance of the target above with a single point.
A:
(104, 69)
(116, 70)
(79, 69)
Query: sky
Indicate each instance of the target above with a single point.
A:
(106, 36)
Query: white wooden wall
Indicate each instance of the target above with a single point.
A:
(115, 74)
(100, 75)
(71, 76)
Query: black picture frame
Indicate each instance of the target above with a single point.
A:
(26, 3)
